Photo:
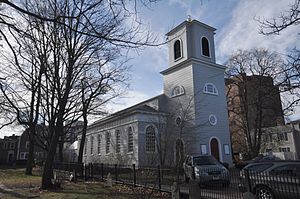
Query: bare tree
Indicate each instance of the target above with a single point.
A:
(253, 99)
(21, 83)
(85, 37)
(275, 26)
(291, 17)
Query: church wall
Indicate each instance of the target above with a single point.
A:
(207, 104)
(123, 157)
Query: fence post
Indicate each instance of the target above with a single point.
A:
(247, 178)
(159, 178)
(92, 171)
(82, 170)
(116, 172)
(102, 174)
(134, 175)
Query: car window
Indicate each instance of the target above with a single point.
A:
(286, 170)
(259, 167)
(205, 160)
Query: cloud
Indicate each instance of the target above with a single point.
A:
(12, 129)
(130, 98)
(241, 32)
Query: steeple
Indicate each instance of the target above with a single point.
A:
(191, 39)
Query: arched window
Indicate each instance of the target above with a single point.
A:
(150, 139)
(210, 88)
(177, 90)
(107, 142)
(85, 146)
(130, 140)
(99, 144)
(205, 47)
(118, 141)
(177, 49)
(92, 144)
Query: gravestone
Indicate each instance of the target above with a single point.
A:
(175, 191)
(109, 180)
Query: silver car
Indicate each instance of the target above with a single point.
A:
(205, 169)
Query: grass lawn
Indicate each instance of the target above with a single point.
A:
(22, 186)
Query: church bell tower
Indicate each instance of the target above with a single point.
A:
(193, 78)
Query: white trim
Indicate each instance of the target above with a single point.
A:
(202, 147)
(209, 51)
(220, 147)
(181, 50)
(132, 132)
(212, 123)
(214, 89)
(182, 91)
(155, 135)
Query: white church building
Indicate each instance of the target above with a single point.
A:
(189, 117)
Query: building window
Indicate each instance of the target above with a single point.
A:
(203, 149)
(23, 156)
(177, 90)
(226, 149)
(85, 146)
(107, 142)
(92, 145)
(212, 119)
(286, 136)
(27, 145)
(210, 88)
(12, 145)
(130, 140)
(205, 47)
(177, 49)
(150, 139)
(4, 145)
(284, 149)
(118, 141)
(99, 144)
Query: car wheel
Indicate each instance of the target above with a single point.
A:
(264, 193)
(186, 179)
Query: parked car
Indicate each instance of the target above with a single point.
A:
(205, 169)
(272, 180)
(262, 158)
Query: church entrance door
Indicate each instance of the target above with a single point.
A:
(214, 148)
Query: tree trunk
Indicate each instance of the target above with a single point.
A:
(83, 135)
(30, 159)
(61, 149)
(48, 166)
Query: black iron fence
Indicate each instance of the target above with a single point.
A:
(213, 183)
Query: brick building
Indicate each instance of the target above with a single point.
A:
(253, 103)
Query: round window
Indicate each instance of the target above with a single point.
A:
(212, 119)
(178, 121)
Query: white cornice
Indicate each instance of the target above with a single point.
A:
(189, 61)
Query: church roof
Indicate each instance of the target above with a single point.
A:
(189, 22)
(140, 107)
